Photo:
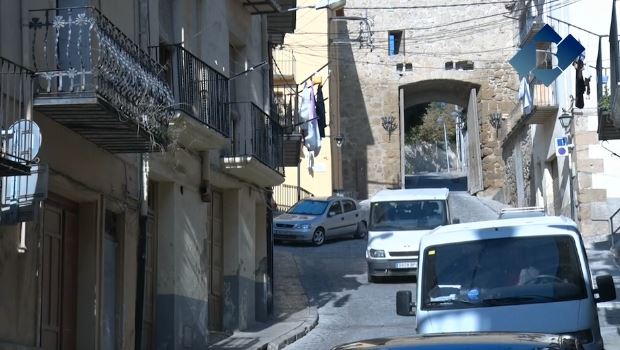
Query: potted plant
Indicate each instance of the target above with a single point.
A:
(604, 105)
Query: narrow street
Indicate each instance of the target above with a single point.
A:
(334, 279)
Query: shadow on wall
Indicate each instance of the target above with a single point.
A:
(355, 125)
(426, 157)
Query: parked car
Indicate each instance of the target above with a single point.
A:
(397, 221)
(315, 220)
(468, 341)
(521, 212)
(513, 275)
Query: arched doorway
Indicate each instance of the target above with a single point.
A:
(420, 99)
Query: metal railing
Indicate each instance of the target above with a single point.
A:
(284, 107)
(79, 51)
(199, 90)
(614, 230)
(16, 134)
(287, 195)
(285, 63)
(543, 95)
(254, 133)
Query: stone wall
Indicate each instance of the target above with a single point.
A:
(370, 83)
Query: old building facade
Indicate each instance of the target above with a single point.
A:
(580, 183)
(408, 55)
(149, 223)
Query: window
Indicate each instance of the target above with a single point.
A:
(348, 206)
(503, 271)
(394, 42)
(335, 208)
(408, 215)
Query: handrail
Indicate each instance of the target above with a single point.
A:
(78, 50)
(611, 224)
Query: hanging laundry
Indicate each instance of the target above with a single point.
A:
(320, 110)
(307, 114)
(525, 95)
(580, 84)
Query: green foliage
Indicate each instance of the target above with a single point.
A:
(605, 103)
(431, 127)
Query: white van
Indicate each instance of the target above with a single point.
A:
(397, 221)
(511, 275)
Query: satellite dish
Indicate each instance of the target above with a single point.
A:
(24, 140)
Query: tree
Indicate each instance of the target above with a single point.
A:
(431, 128)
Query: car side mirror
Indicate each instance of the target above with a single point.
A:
(606, 289)
(404, 305)
(456, 221)
(331, 213)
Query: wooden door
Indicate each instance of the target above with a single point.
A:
(215, 237)
(59, 276)
(150, 271)
(475, 182)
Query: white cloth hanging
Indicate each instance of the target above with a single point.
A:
(307, 114)
(525, 95)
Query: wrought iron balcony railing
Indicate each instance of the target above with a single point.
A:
(255, 134)
(287, 195)
(78, 53)
(199, 90)
(19, 136)
(284, 63)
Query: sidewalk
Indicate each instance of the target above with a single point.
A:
(293, 317)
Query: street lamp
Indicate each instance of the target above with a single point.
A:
(565, 119)
(445, 140)
(323, 4)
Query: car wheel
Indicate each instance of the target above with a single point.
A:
(361, 231)
(318, 238)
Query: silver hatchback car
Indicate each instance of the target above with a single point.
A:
(316, 219)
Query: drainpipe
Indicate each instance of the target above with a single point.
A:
(143, 206)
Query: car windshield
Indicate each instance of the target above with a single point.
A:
(309, 207)
(407, 215)
(503, 271)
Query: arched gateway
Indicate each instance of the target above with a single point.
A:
(456, 92)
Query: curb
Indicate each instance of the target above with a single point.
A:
(290, 337)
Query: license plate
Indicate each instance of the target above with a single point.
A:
(406, 265)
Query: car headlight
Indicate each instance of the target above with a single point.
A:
(303, 226)
(584, 336)
(374, 253)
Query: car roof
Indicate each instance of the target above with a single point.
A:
(524, 226)
(498, 340)
(509, 213)
(326, 198)
(411, 194)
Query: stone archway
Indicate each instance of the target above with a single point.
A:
(457, 92)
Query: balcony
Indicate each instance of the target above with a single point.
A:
(529, 25)
(91, 78)
(20, 136)
(202, 121)
(285, 110)
(545, 106)
(255, 153)
(278, 24)
(284, 67)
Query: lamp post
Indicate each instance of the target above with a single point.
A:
(566, 120)
(445, 140)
